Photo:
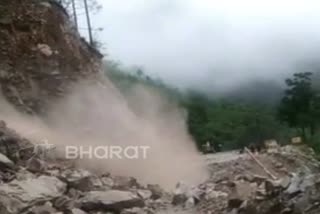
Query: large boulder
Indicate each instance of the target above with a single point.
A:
(18, 195)
(81, 179)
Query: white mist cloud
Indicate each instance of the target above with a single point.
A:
(202, 43)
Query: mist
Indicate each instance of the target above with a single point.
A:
(212, 45)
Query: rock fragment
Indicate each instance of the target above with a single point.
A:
(112, 200)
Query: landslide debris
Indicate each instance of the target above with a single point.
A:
(64, 188)
(32, 182)
(241, 186)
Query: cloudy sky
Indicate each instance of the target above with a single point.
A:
(211, 43)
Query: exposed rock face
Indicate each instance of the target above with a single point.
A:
(40, 53)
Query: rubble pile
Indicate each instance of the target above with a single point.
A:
(31, 184)
(241, 186)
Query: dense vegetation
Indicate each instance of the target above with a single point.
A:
(300, 107)
(246, 117)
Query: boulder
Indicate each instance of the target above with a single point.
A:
(63, 203)
(144, 194)
(112, 200)
(81, 179)
(179, 199)
(123, 183)
(87, 184)
(181, 194)
(5, 162)
(190, 203)
(294, 187)
(284, 182)
(36, 165)
(17, 195)
(156, 191)
(107, 181)
(10, 205)
(42, 209)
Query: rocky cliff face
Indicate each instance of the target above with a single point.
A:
(40, 53)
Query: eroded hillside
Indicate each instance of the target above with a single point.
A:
(41, 53)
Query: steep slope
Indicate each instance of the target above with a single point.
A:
(40, 53)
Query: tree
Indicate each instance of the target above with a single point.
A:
(197, 106)
(86, 7)
(300, 104)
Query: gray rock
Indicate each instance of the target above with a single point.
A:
(112, 200)
(308, 181)
(74, 175)
(77, 211)
(284, 182)
(107, 181)
(299, 183)
(87, 184)
(296, 180)
(215, 194)
(123, 183)
(45, 4)
(144, 194)
(179, 199)
(10, 205)
(181, 194)
(64, 203)
(156, 191)
(43, 209)
(81, 179)
(135, 210)
(279, 165)
(36, 165)
(5, 162)
(190, 203)
(20, 194)
(45, 49)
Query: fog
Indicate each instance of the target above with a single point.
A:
(211, 44)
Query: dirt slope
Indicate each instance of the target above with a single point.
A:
(40, 53)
